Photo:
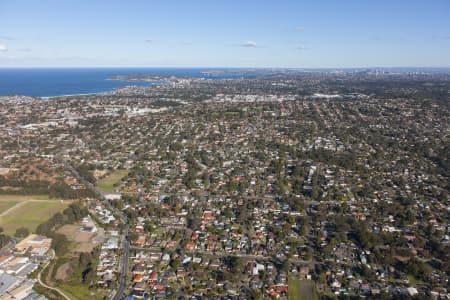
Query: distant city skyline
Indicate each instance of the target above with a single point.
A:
(250, 33)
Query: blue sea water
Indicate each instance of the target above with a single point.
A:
(48, 82)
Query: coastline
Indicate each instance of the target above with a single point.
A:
(46, 84)
(74, 95)
(87, 94)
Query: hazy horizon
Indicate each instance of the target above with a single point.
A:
(231, 67)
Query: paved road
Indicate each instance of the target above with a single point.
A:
(125, 243)
(47, 286)
(124, 265)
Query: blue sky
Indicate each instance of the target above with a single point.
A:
(225, 33)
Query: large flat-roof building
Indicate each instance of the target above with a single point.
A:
(38, 244)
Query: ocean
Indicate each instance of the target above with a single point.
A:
(49, 82)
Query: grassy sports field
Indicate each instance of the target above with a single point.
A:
(107, 184)
(26, 211)
(301, 289)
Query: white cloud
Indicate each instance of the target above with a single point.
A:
(300, 28)
(3, 47)
(301, 47)
(249, 44)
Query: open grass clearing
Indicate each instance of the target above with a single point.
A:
(414, 280)
(79, 291)
(62, 272)
(106, 184)
(5, 205)
(76, 289)
(29, 214)
(301, 289)
(81, 241)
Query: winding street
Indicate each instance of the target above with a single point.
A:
(47, 286)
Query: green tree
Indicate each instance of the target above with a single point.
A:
(21, 232)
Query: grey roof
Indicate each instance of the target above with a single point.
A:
(28, 269)
(34, 296)
(6, 281)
